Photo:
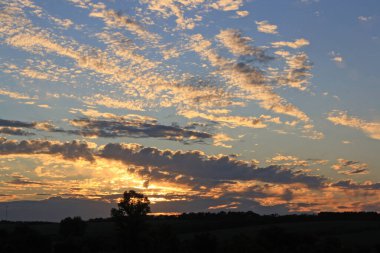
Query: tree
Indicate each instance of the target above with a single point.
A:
(133, 205)
(130, 218)
(72, 226)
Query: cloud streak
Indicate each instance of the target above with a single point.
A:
(371, 129)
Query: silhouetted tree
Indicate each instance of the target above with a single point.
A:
(130, 218)
(72, 226)
(134, 205)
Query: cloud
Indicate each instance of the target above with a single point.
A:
(372, 129)
(297, 71)
(191, 163)
(227, 5)
(92, 113)
(113, 18)
(248, 78)
(242, 13)
(190, 179)
(227, 120)
(197, 164)
(365, 18)
(16, 123)
(137, 129)
(168, 8)
(134, 126)
(99, 99)
(220, 139)
(12, 127)
(15, 95)
(65, 23)
(348, 167)
(336, 57)
(350, 184)
(239, 45)
(23, 181)
(265, 27)
(296, 44)
(14, 131)
(69, 150)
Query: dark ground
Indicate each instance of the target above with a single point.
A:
(200, 232)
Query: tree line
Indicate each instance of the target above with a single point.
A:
(134, 231)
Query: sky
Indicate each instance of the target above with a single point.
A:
(202, 105)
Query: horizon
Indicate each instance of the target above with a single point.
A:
(201, 105)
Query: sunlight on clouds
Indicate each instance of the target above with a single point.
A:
(198, 85)
(265, 27)
(372, 129)
(296, 44)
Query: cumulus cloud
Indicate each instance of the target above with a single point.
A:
(198, 164)
(372, 129)
(265, 27)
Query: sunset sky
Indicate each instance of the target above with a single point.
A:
(203, 105)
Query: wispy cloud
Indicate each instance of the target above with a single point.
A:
(372, 129)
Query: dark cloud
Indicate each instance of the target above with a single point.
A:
(109, 129)
(69, 150)
(14, 131)
(15, 123)
(356, 171)
(23, 181)
(13, 127)
(186, 164)
(136, 129)
(197, 164)
(349, 184)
